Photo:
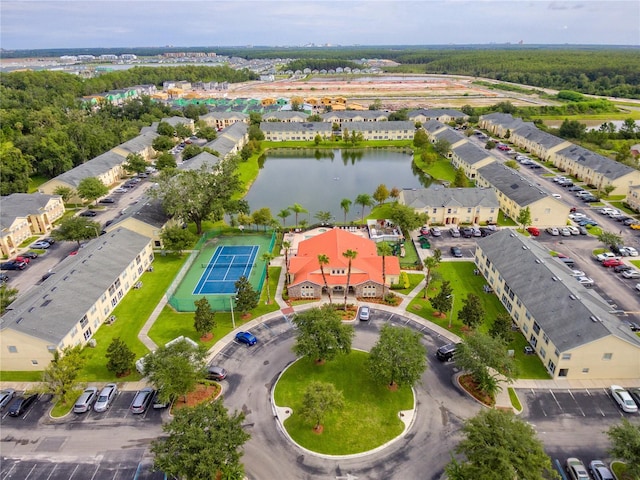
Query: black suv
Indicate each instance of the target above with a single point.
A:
(446, 352)
(21, 404)
(13, 265)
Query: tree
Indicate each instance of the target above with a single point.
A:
(442, 147)
(321, 335)
(608, 189)
(162, 143)
(609, 239)
(381, 194)
(61, 374)
(135, 163)
(176, 239)
(384, 250)
(471, 313)
(625, 445)
(207, 132)
(204, 319)
(350, 255)
(430, 263)
(14, 174)
(246, 297)
(120, 357)
(199, 195)
(420, 138)
(485, 358)
(365, 200)
(283, 214)
(263, 217)
(7, 296)
(191, 151)
(460, 179)
(345, 205)
(165, 161)
(406, 218)
(398, 358)
(524, 218)
(76, 229)
(323, 216)
(322, 261)
(183, 130)
(512, 164)
(319, 399)
(266, 258)
(514, 453)
(443, 301)
(166, 129)
(501, 327)
(175, 369)
(394, 193)
(490, 145)
(297, 208)
(66, 193)
(202, 442)
(572, 129)
(91, 188)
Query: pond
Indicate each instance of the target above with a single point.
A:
(319, 180)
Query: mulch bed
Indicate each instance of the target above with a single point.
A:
(202, 393)
(469, 384)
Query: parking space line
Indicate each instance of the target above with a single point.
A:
(55, 465)
(579, 407)
(601, 412)
(556, 400)
(96, 472)
(31, 471)
(74, 472)
(10, 470)
(533, 392)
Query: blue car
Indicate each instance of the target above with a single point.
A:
(247, 338)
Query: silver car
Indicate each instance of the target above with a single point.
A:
(106, 397)
(6, 396)
(86, 400)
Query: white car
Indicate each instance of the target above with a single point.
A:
(576, 469)
(599, 470)
(455, 233)
(565, 232)
(553, 231)
(608, 211)
(629, 251)
(556, 195)
(577, 216)
(585, 281)
(436, 232)
(601, 257)
(631, 274)
(573, 230)
(578, 273)
(623, 399)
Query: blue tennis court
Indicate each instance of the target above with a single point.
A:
(227, 264)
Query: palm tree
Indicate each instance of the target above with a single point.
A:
(349, 254)
(322, 261)
(267, 257)
(384, 250)
(365, 200)
(283, 214)
(286, 246)
(297, 208)
(344, 205)
(430, 263)
(323, 216)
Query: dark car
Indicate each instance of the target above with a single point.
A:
(142, 400)
(47, 275)
(4, 278)
(216, 373)
(246, 338)
(634, 326)
(589, 198)
(21, 404)
(456, 252)
(635, 394)
(88, 213)
(446, 352)
(13, 265)
(30, 255)
(107, 200)
(621, 268)
(485, 232)
(467, 232)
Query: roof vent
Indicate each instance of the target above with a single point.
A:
(539, 260)
(573, 297)
(593, 318)
(512, 235)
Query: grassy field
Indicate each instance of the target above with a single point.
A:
(368, 419)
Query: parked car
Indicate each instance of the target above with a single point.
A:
(106, 397)
(586, 282)
(446, 352)
(534, 231)
(634, 326)
(565, 232)
(575, 188)
(454, 232)
(467, 232)
(21, 404)
(573, 230)
(577, 216)
(364, 313)
(216, 373)
(612, 262)
(142, 400)
(436, 232)
(424, 230)
(476, 232)
(635, 394)
(40, 245)
(120, 190)
(485, 232)
(601, 257)
(631, 273)
(576, 469)
(88, 213)
(623, 399)
(30, 255)
(589, 198)
(22, 259)
(629, 221)
(107, 200)
(578, 273)
(86, 400)
(622, 268)
(13, 265)
(6, 396)
(582, 230)
(456, 252)
(553, 231)
(635, 226)
(629, 252)
(246, 338)
(4, 278)
(588, 222)
(599, 470)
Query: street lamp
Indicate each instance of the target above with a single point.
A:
(94, 228)
(453, 299)
(233, 319)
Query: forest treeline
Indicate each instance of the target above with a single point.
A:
(320, 64)
(46, 129)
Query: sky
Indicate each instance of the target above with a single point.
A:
(28, 24)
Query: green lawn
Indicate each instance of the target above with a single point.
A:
(463, 282)
(26, 376)
(35, 182)
(504, 221)
(623, 208)
(370, 415)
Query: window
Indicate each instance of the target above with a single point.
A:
(536, 327)
(114, 301)
(103, 298)
(12, 349)
(112, 290)
(551, 366)
(525, 328)
(138, 260)
(120, 294)
(585, 370)
(607, 356)
(545, 338)
(87, 334)
(533, 340)
(307, 291)
(566, 356)
(117, 283)
(469, 210)
(34, 362)
(563, 372)
(543, 352)
(83, 321)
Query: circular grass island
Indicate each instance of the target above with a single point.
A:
(371, 414)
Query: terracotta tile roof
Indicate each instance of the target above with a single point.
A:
(367, 266)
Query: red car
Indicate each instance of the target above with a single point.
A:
(612, 262)
(534, 231)
(23, 259)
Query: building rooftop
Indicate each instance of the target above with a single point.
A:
(21, 205)
(438, 196)
(511, 184)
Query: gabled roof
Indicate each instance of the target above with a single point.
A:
(225, 115)
(318, 127)
(140, 143)
(22, 205)
(147, 210)
(173, 121)
(53, 308)
(568, 313)
(433, 126)
(505, 120)
(470, 153)
(286, 115)
(348, 114)
(535, 135)
(511, 184)
(228, 139)
(436, 112)
(379, 126)
(367, 266)
(603, 165)
(444, 197)
(196, 163)
(92, 168)
(450, 136)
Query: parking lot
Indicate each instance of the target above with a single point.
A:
(102, 470)
(576, 403)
